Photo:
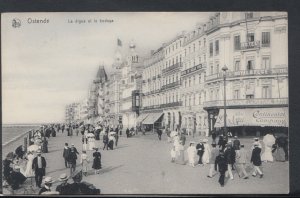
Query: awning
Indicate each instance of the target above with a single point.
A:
(152, 118)
(254, 117)
(142, 117)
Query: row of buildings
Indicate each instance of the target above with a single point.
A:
(181, 84)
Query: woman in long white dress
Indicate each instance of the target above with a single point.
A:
(29, 171)
(205, 157)
(192, 151)
(91, 140)
(268, 141)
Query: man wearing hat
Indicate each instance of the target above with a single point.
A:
(236, 143)
(256, 140)
(230, 158)
(64, 187)
(47, 187)
(81, 188)
(221, 164)
(256, 160)
(39, 167)
(200, 151)
(221, 142)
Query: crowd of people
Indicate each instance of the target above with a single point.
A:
(226, 156)
(28, 162)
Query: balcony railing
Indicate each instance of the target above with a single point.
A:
(250, 45)
(252, 72)
(151, 107)
(173, 104)
(248, 102)
(171, 85)
(175, 66)
(193, 69)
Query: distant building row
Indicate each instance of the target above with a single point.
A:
(181, 84)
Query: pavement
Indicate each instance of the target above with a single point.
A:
(142, 165)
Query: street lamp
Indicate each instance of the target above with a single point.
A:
(224, 69)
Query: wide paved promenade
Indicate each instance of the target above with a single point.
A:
(141, 165)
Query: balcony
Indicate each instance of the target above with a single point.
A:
(171, 85)
(193, 69)
(173, 67)
(252, 72)
(173, 104)
(151, 107)
(256, 102)
(250, 45)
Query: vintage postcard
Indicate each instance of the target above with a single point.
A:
(145, 103)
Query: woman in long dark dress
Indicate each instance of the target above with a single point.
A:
(97, 161)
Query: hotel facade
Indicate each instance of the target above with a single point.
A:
(182, 83)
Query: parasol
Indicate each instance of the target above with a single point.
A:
(112, 133)
(269, 140)
(90, 135)
(173, 133)
(33, 148)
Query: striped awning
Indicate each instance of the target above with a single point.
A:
(152, 118)
(142, 117)
(277, 117)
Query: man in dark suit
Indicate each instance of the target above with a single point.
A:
(200, 151)
(221, 164)
(256, 160)
(66, 154)
(39, 167)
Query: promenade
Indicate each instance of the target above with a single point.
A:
(141, 165)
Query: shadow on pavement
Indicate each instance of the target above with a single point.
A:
(110, 168)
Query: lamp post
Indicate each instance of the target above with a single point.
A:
(224, 69)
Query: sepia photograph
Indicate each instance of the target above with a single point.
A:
(145, 103)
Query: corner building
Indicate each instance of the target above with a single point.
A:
(254, 47)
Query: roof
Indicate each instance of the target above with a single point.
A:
(101, 74)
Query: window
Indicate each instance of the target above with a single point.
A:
(250, 64)
(180, 43)
(250, 96)
(211, 95)
(217, 94)
(217, 68)
(194, 99)
(199, 44)
(204, 42)
(190, 101)
(237, 43)
(194, 47)
(265, 63)
(265, 39)
(184, 52)
(237, 65)
(194, 81)
(190, 81)
(189, 49)
(250, 37)
(249, 15)
(185, 83)
(211, 46)
(266, 92)
(199, 78)
(217, 47)
(200, 99)
(211, 69)
(236, 94)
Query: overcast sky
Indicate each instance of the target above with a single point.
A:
(46, 66)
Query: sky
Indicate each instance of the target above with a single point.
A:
(46, 66)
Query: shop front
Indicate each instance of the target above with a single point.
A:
(254, 121)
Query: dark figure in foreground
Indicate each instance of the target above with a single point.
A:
(64, 187)
(48, 183)
(221, 164)
(200, 151)
(82, 188)
(159, 133)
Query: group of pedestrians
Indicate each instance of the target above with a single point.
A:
(226, 156)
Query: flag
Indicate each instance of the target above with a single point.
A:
(119, 42)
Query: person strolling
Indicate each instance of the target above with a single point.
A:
(212, 159)
(221, 165)
(84, 161)
(97, 161)
(241, 156)
(39, 166)
(66, 153)
(256, 160)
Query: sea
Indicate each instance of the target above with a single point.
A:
(11, 131)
